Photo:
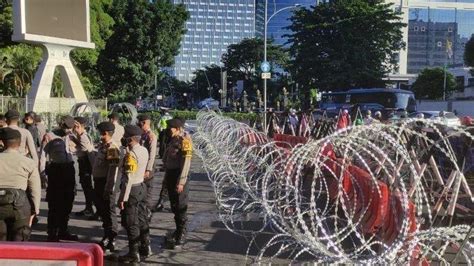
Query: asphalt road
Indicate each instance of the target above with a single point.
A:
(209, 242)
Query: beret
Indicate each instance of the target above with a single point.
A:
(81, 120)
(67, 122)
(10, 114)
(8, 133)
(174, 123)
(143, 117)
(113, 115)
(132, 130)
(106, 126)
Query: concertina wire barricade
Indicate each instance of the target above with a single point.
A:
(361, 194)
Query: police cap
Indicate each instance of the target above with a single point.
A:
(8, 134)
(12, 114)
(174, 123)
(114, 116)
(67, 122)
(81, 120)
(106, 126)
(143, 117)
(132, 130)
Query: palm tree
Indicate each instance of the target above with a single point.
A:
(17, 68)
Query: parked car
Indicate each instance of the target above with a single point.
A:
(447, 118)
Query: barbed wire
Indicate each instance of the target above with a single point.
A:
(363, 194)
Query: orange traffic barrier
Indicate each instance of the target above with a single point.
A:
(46, 253)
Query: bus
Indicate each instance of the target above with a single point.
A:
(369, 99)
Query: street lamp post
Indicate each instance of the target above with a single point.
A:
(265, 58)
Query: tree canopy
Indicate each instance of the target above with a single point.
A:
(245, 57)
(147, 36)
(430, 84)
(469, 53)
(207, 82)
(345, 44)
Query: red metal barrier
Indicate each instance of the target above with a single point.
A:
(80, 254)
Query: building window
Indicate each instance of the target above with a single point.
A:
(439, 44)
(423, 28)
(415, 28)
(450, 29)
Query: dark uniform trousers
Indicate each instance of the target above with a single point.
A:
(60, 194)
(105, 204)
(85, 178)
(15, 212)
(134, 217)
(149, 191)
(179, 201)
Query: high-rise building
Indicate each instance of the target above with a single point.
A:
(277, 25)
(213, 25)
(431, 26)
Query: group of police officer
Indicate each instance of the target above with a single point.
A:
(122, 164)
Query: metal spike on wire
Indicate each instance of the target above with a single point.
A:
(363, 194)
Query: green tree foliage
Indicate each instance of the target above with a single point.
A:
(207, 82)
(245, 57)
(18, 64)
(6, 22)
(86, 59)
(469, 54)
(147, 35)
(430, 84)
(345, 44)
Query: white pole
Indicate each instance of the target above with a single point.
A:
(265, 60)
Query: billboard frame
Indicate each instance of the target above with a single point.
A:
(20, 34)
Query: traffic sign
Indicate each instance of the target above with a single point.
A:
(266, 75)
(265, 66)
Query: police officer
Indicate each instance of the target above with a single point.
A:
(150, 142)
(119, 129)
(58, 164)
(132, 196)
(162, 128)
(20, 189)
(85, 157)
(177, 162)
(105, 172)
(27, 145)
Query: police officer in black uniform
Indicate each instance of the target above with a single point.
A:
(177, 162)
(58, 164)
(20, 189)
(133, 196)
(105, 172)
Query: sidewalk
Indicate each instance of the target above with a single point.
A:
(209, 242)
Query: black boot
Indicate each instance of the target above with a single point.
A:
(145, 248)
(159, 207)
(108, 242)
(132, 256)
(180, 237)
(53, 235)
(66, 235)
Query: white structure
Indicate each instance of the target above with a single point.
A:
(58, 26)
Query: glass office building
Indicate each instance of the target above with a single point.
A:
(432, 25)
(277, 24)
(212, 26)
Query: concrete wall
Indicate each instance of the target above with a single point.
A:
(462, 107)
